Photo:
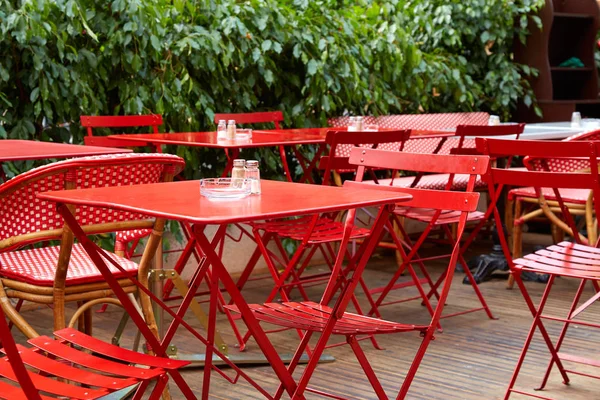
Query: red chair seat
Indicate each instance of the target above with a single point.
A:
(433, 181)
(446, 217)
(326, 230)
(38, 266)
(578, 196)
(118, 375)
(311, 316)
(564, 259)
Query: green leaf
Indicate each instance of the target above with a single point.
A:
(312, 67)
(266, 45)
(155, 43)
(35, 93)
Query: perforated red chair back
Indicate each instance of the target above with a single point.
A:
(562, 164)
(253, 118)
(341, 144)
(116, 121)
(24, 216)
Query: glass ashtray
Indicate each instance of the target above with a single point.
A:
(225, 188)
(243, 134)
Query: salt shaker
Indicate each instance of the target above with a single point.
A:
(576, 120)
(494, 120)
(231, 129)
(253, 173)
(222, 129)
(352, 124)
(359, 124)
(238, 173)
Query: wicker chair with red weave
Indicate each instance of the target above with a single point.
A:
(65, 372)
(576, 260)
(55, 275)
(325, 319)
(447, 221)
(524, 205)
(328, 230)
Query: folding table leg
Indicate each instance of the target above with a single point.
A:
(537, 322)
(249, 318)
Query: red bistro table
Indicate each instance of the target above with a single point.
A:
(21, 150)
(209, 139)
(182, 201)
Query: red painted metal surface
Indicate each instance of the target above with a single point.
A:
(209, 139)
(21, 150)
(574, 260)
(64, 362)
(116, 121)
(425, 208)
(182, 201)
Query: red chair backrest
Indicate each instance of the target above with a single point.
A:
(341, 144)
(546, 175)
(560, 164)
(253, 118)
(433, 122)
(23, 214)
(429, 163)
(116, 121)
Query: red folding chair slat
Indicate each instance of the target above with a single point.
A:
(573, 260)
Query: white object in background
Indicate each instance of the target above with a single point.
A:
(222, 129)
(352, 124)
(359, 123)
(371, 128)
(576, 120)
(494, 120)
(253, 174)
(231, 129)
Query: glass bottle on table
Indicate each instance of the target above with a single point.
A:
(222, 129)
(253, 173)
(231, 130)
(238, 173)
(359, 124)
(351, 124)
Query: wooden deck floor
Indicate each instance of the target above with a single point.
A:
(472, 359)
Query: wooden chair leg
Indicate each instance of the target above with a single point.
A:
(517, 242)
(558, 235)
(13, 315)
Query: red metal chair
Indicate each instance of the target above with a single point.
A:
(319, 317)
(448, 219)
(425, 122)
(66, 372)
(117, 121)
(326, 230)
(59, 274)
(571, 260)
(524, 205)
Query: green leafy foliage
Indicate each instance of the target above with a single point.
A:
(188, 60)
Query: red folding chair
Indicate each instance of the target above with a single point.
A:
(64, 371)
(425, 179)
(523, 204)
(117, 121)
(326, 230)
(312, 317)
(59, 274)
(566, 259)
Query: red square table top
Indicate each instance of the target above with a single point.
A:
(209, 139)
(20, 150)
(182, 200)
